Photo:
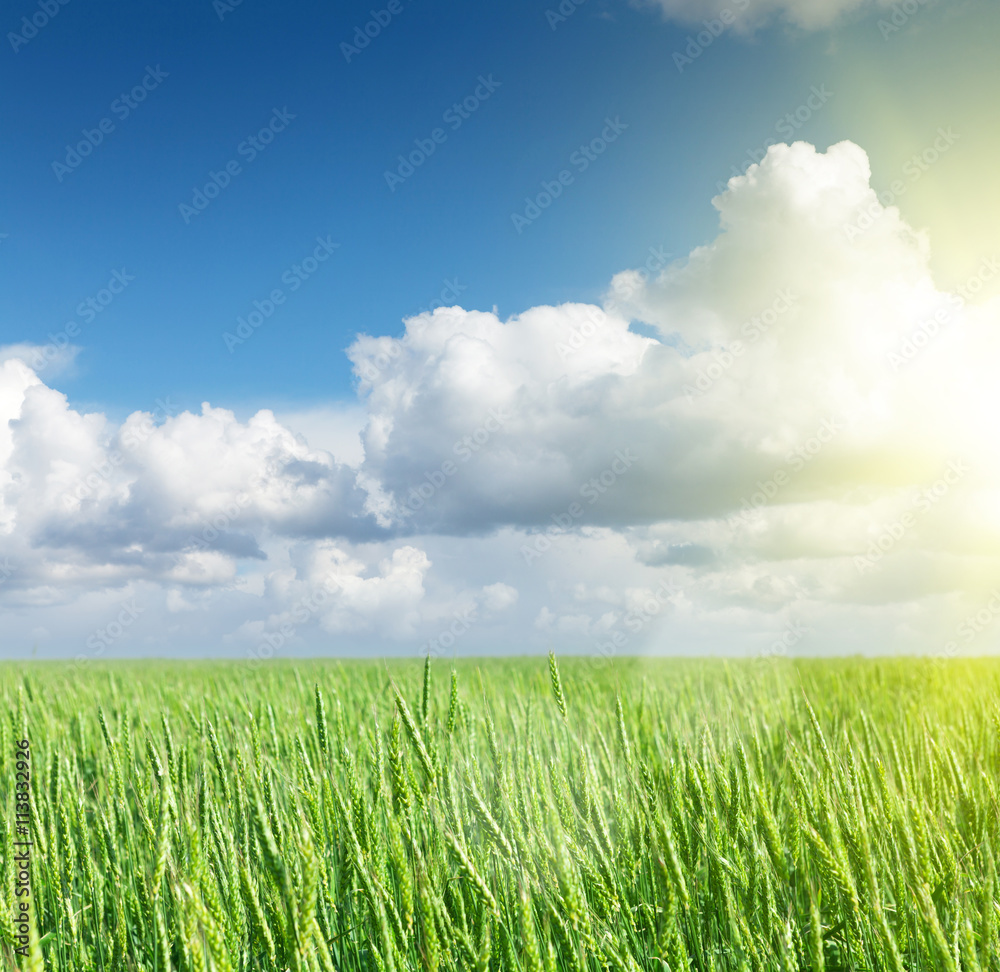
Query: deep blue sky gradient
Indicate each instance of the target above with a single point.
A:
(324, 175)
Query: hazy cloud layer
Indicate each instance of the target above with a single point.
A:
(749, 14)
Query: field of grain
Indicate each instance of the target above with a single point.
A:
(514, 815)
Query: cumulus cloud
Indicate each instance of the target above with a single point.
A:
(160, 497)
(808, 436)
(498, 597)
(775, 359)
(475, 423)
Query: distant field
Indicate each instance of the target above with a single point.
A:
(506, 816)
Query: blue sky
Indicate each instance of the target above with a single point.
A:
(324, 174)
(665, 411)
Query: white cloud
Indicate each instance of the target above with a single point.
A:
(475, 423)
(325, 585)
(85, 502)
(53, 361)
(499, 597)
(541, 479)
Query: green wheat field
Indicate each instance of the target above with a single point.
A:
(505, 815)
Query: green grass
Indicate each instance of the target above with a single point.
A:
(650, 815)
